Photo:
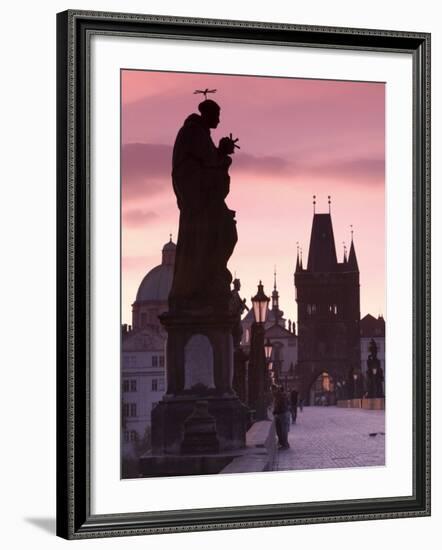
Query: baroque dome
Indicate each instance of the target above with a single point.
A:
(156, 284)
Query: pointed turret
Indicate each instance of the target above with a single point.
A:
(352, 260)
(276, 312)
(298, 262)
(275, 293)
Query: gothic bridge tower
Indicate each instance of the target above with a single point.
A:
(327, 294)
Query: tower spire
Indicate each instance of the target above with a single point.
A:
(298, 265)
(275, 300)
(352, 260)
(329, 204)
(314, 204)
(345, 251)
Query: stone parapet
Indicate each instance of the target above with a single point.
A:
(374, 404)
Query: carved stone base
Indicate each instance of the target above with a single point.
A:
(200, 431)
(170, 414)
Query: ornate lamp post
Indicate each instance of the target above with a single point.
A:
(269, 375)
(260, 303)
(258, 355)
(268, 346)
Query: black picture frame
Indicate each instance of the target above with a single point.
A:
(74, 518)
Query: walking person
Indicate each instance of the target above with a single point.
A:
(281, 414)
(294, 405)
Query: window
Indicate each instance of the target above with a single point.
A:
(143, 319)
(154, 384)
(154, 360)
(131, 435)
(129, 409)
(247, 336)
(129, 385)
(161, 384)
(333, 309)
(161, 360)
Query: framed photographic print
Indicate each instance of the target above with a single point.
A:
(243, 274)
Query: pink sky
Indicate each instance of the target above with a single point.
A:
(298, 138)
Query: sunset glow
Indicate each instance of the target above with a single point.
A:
(298, 138)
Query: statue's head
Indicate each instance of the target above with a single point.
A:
(236, 284)
(210, 111)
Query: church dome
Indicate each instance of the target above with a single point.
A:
(156, 285)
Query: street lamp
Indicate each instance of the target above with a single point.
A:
(260, 303)
(260, 353)
(268, 346)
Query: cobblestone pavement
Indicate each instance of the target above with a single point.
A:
(332, 437)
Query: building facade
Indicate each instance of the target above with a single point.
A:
(143, 363)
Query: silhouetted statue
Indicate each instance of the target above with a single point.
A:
(374, 372)
(207, 230)
(237, 308)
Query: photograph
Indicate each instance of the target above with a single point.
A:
(253, 274)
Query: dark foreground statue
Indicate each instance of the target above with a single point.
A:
(200, 415)
(207, 229)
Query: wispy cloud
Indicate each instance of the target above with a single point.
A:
(138, 217)
(355, 169)
(141, 159)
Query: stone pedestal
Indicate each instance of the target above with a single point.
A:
(199, 362)
(200, 431)
(169, 416)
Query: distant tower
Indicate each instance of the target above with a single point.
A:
(275, 314)
(327, 293)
